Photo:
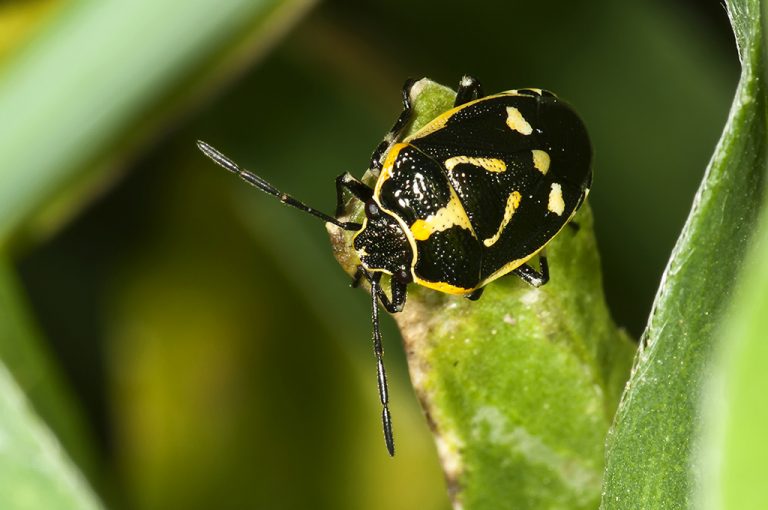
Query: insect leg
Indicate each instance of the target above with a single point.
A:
(359, 190)
(359, 273)
(381, 374)
(397, 288)
(397, 129)
(475, 295)
(533, 277)
(469, 90)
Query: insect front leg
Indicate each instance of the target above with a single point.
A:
(469, 90)
(533, 277)
(357, 278)
(358, 189)
(399, 293)
(398, 289)
(395, 133)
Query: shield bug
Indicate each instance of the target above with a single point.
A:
(470, 197)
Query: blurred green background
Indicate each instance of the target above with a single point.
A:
(192, 342)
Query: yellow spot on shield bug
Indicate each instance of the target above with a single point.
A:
(541, 161)
(517, 122)
(556, 203)
(513, 202)
(452, 214)
(490, 164)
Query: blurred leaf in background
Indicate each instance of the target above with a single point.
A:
(19, 20)
(207, 331)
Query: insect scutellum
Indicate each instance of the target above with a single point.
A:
(470, 197)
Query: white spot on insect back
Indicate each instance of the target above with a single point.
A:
(490, 164)
(556, 203)
(541, 161)
(517, 122)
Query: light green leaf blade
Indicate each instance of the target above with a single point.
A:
(651, 448)
(733, 445)
(519, 387)
(35, 472)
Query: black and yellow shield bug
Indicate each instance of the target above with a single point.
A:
(470, 197)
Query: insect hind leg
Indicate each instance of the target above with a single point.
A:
(533, 277)
(475, 295)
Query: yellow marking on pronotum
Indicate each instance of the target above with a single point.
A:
(490, 164)
(556, 203)
(541, 161)
(513, 201)
(440, 121)
(388, 165)
(517, 122)
(446, 217)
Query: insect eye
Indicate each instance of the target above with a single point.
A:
(372, 209)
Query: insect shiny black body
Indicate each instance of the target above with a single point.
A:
(470, 197)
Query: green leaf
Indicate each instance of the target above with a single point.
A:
(520, 387)
(733, 442)
(24, 354)
(115, 66)
(650, 455)
(34, 471)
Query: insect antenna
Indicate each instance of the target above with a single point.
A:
(254, 180)
(381, 373)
